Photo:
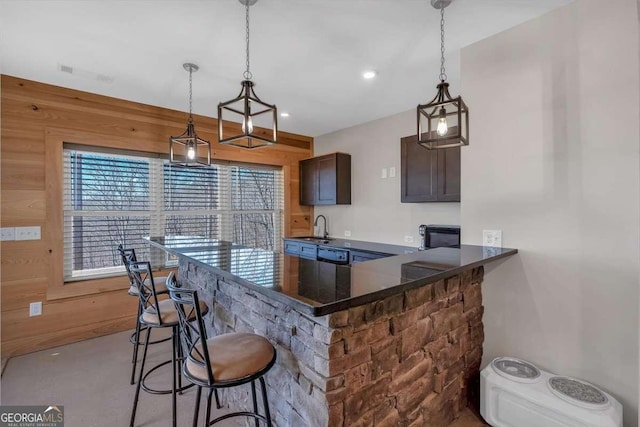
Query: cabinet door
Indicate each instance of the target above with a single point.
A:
(417, 172)
(448, 175)
(308, 251)
(307, 182)
(291, 247)
(326, 170)
(343, 179)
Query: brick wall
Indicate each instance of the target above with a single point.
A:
(408, 360)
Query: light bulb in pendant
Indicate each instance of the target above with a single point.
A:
(247, 125)
(191, 152)
(442, 128)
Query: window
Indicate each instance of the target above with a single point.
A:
(115, 198)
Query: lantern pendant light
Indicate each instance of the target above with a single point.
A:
(189, 141)
(446, 118)
(246, 107)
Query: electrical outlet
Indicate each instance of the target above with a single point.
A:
(7, 233)
(408, 239)
(492, 238)
(347, 233)
(35, 308)
(28, 233)
(383, 174)
(392, 172)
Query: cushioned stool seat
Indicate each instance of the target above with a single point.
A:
(168, 313)
(160, 282)
(233, 356)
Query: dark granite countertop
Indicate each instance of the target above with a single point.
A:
(320, 288)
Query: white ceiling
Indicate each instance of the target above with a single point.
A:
(307, 56)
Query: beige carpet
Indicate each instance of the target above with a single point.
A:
(91, 380)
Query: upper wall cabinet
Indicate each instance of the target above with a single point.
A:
(428, 175)
(326, 180)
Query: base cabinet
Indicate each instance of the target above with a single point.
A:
(428, 175)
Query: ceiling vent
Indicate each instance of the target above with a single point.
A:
(89, 75)
(65, 69)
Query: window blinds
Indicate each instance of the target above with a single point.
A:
(115, 198)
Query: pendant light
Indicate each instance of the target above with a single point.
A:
(189, 141)
(447, 118)
(246, 107)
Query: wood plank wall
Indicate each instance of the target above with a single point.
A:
(31, 110)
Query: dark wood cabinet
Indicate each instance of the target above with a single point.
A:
(299, 249)
(428, 175)
(326, 180)
(291, 247)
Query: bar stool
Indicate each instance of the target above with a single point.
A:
(128, 256)
(224, 361)
(156, 314)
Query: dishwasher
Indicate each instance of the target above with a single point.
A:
(333, 255)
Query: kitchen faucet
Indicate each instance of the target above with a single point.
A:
(315, 223)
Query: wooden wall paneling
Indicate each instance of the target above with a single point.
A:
(18, 294)
(22, 207)
(60, 337)
(26, 259)
(35, 115)
(67, 313)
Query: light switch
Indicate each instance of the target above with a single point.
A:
(8, 233)
(383, 175)
(392, 172)
(28, 233)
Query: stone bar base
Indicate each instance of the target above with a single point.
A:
(407, 360)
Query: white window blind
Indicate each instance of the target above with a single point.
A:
(117, 198)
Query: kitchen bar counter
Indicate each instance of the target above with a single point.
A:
(333, 287)
(393, 341)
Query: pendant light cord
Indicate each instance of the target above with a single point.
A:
(443, 74)
(190, 94)
(247, 74)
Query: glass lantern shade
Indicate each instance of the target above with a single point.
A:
(184, 149)
(256, 118)
(444, 121)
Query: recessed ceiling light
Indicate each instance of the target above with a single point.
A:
(284, 114)
(369, 74)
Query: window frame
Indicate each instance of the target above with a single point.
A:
(53, 227)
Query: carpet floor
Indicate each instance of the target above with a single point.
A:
(91, 380)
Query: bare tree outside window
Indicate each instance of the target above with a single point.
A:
(113, 199)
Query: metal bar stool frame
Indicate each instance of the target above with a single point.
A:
(128, 256)
(149, 303)
(193, 336)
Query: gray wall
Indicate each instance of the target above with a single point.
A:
(553, 162)
(375, 213)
